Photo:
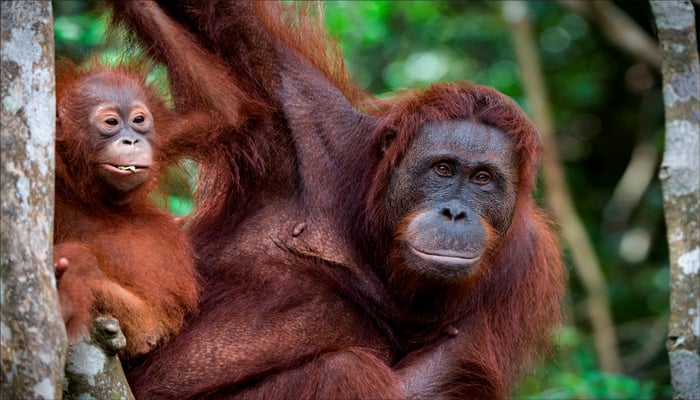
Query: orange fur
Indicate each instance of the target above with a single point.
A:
(330, 311)
(129, 260)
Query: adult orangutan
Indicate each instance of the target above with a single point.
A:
(115, 252)
(387, 252)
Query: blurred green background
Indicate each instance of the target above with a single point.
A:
(605, 105)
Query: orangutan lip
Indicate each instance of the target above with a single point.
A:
(448, 258)
(125, 169)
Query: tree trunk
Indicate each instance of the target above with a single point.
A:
(680, 179)
(32, 336)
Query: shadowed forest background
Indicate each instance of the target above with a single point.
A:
(607, 117)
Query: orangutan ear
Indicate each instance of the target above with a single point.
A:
(60, 112)
(388, 137)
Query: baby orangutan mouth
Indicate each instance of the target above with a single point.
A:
(125, 168)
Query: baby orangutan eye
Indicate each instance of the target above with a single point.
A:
(112, 121)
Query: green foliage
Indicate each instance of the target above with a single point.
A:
(387, 52)
(180, 206)
(594, 385)
(575, 376)
(79, 28)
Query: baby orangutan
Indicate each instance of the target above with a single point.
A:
(115, 252)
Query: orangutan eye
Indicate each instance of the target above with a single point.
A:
(112, 121)
(139, 119)
(443, 169)
(481, 178)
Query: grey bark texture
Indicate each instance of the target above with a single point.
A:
(32, 335)
(93, 369)
(680, 179)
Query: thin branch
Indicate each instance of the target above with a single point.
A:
(638, 175)
(620, 29)
(633, 184)
(557, 194)
(651, 343)
(623, 32)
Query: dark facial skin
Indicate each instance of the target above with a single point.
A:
(122, 132)
(453, 197)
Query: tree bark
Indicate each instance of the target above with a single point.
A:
(32, 335)
(93, 369)
(680, 179)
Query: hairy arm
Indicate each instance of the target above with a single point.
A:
(85, 292)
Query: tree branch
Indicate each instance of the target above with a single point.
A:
(620, 29)
(557, 194)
